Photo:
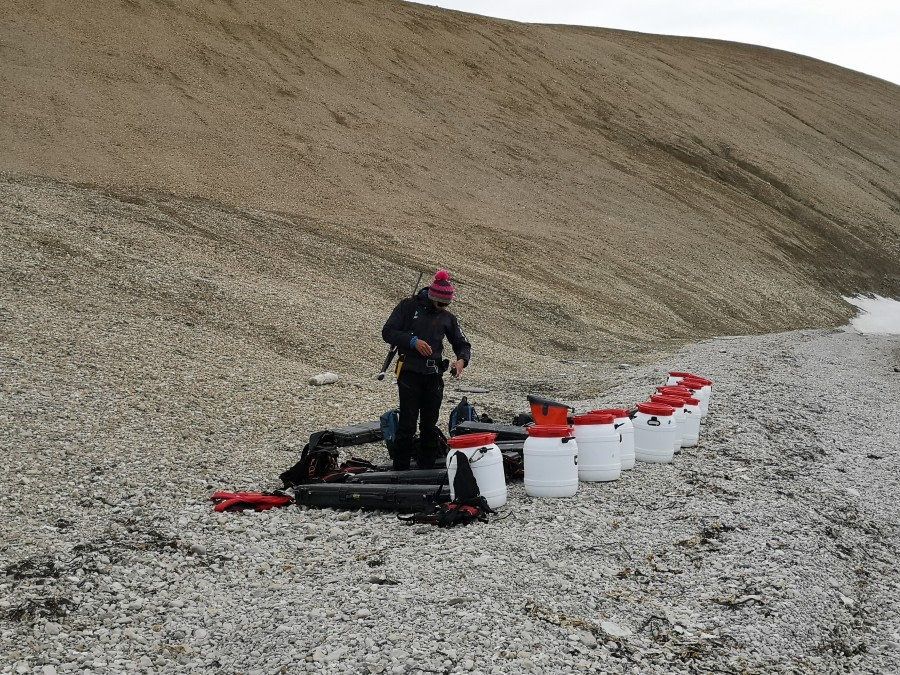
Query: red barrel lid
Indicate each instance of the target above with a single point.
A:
(674, 401)
(656, 409)
(695, 379)
(674, 391)
(471, 440)
(618, 413)
(691, 376)
(550, 430)
(692, 401)
(594, 418)
(691, 384)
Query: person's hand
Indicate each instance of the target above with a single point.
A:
(423, 347)
(459, 365)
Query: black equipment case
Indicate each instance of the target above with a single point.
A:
(414, 477)
(357, 434)
(511, 446)
(363, 496)
(505, 432)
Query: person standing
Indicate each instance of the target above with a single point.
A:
(417, 327)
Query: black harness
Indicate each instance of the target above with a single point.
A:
(468, 506)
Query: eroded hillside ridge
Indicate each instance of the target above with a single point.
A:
(620, 186)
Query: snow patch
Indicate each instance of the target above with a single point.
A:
(877, 315)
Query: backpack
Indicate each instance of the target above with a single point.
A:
(389, 422)
(318, 459)
(463, 412)
(523, 419)
(468, 506)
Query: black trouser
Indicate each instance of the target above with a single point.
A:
(420, 399)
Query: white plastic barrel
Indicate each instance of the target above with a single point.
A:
(625, 428)
(551, 461)
(654, 433)
(598, 448)
(676, 402)
(486, 461)
(702, 389)
(690, 427)
(702, 393)
(691, 423)
(676, 376)
(705, 394)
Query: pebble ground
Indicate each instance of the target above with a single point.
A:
(770, 547)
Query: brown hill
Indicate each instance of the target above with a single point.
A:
(267, 168)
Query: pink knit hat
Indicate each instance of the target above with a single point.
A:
(441, 290)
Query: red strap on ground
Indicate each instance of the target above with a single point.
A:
(258, 501)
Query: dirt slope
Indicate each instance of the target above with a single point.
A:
(596, 193)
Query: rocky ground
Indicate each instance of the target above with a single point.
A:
(771, 547)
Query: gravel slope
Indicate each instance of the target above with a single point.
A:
(772, 547)
(645, 186)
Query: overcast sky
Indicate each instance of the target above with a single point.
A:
(863, 35)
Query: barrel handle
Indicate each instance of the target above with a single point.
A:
(653, 422)
(620, 424)
(482, 453)
(568, 438)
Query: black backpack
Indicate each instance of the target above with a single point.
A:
(317, 460)
(465, 412)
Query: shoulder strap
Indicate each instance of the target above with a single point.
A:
(412, 306)
(465, 487)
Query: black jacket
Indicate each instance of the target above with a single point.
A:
(418, 317)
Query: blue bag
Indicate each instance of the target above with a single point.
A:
(389, 422)
(463, 412)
